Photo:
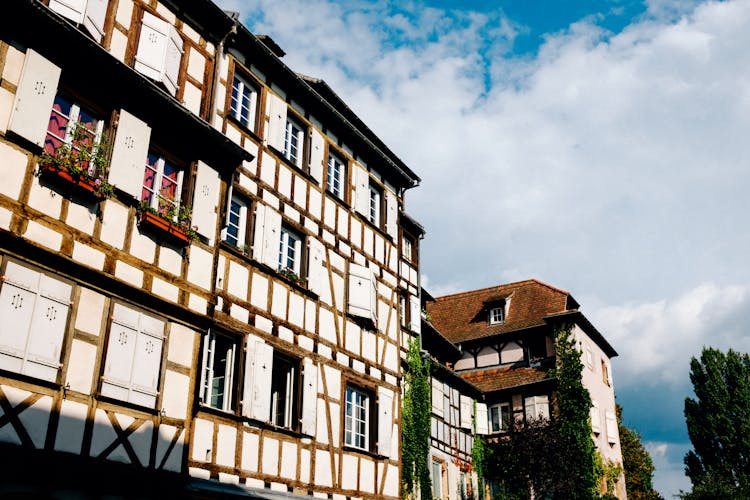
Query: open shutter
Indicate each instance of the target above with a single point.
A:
(373, 299)
(147, 361)
(247, 389)
(317, 277)
(35, 94)
(276, 122)
(611, 427)
(206, 201)
(152, 47)
(385, 421)
(129, 153)
(267, 236)
(415, 314)
(17, 298)
(391, 215)
(93, 19)
(317, 153)
(48, 329)
(466, 411)
(482, 420)
(359, 290)
(361, 199)
(437, 397)
(262, 371)
(118, 367)
(72, 9)
(309, 397)
(173, 58)
(596, 418)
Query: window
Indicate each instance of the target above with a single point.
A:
(34, 310)
(497, 315)
(407, 247)
(336, 176)
(162, 185)
(537, 408)
(375, 211)
(294, 141)
(500, 417)
(403, 311)
(217, 377)
(71, 125)
(283, 388)
(437, 479)
(605, 373)
(357, 418)
(133, 361)
(290, 251)
(244, 101)
(236, 231)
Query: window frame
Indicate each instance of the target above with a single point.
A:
(375, 211)
(503, 424)
(496, 315)
(242, 225)
(228, 403)
(244, 77)
(300, 161)
(154, 203)
(341, 176)
(539, 401)
(77, 108)
(286, 234)
(293, 384)
(351, 438)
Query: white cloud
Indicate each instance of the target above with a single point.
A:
(667, 458)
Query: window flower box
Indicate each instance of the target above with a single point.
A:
(174, 227)
(84, 185)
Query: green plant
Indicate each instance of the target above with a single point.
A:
(415, 425)
(289, 274)
(82, 158)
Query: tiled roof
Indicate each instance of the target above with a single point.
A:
(464, 316)
(495, 379)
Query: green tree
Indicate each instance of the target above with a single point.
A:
(639, 468)
(415, 425)
(718, 422)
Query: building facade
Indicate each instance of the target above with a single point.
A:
(499, 342)
(206, 267)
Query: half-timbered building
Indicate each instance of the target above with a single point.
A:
(207, 274)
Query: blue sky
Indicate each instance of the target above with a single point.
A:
(600, 146)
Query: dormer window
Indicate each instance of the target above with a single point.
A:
(497, 315)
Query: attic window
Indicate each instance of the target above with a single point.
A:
(497, 315)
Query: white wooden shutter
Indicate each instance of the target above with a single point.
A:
(391, 214)
(72, 9)
(267, 236)
(150, 56)
(415, 314)
(147, 361)
(385, 421)
(317, 277)
(466, 410)
(596, 418)
(361, 199)
(247, 389)
(173, 57)
(309, 397)
(48, 329)
(17, 298)
(94, 17)
(121, 346)
(373, 299)
(482, 419)
(611, 427)
(206, 201)
(317, 153)
(262, 371)
(129, 153)
(359, 290)
(276, 122)
(35, 94)
(437, 397)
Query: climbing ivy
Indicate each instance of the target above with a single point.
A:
(415, 425)
(583, 469)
